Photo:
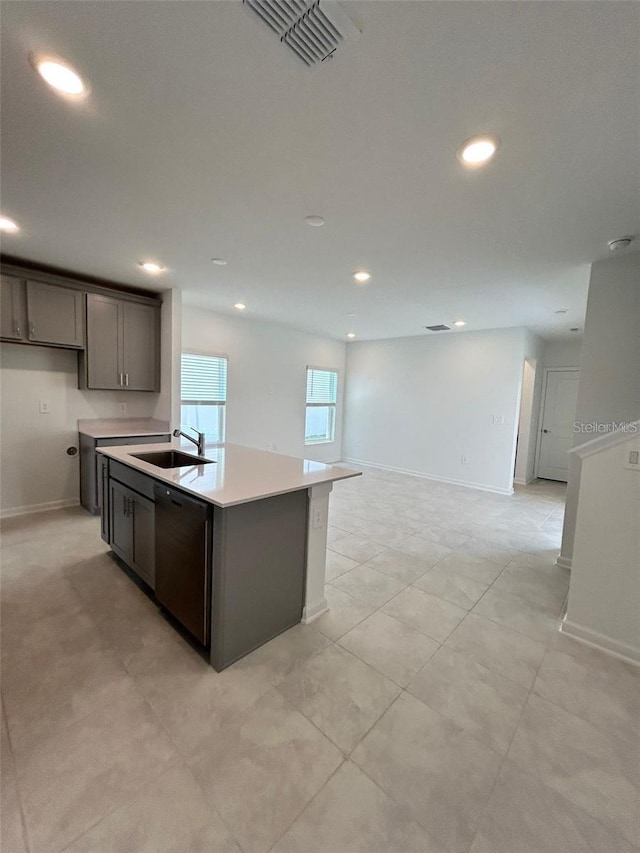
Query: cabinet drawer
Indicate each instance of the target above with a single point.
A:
(140, 483)
(122, 440)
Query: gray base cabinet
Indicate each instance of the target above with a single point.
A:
(132, 530)
(233, 577)
(259, 564)
(92, 464)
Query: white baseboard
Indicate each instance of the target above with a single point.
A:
(564, 562)
(11, 512)
(601, 642)
(311, 613)
(424, 476)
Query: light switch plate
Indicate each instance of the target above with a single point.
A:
(44, 407)
(632, 457)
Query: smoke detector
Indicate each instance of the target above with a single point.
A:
(620, 243)
(312, 29)
(439, 328)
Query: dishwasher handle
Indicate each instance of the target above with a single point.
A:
(178, 498)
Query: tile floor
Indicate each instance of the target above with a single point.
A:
(433, 709)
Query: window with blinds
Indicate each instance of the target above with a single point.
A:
(203, 393)
(322, 396)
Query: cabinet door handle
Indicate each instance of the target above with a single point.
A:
(121, 379)
(126, 379)
(32, 331)
(16, 328)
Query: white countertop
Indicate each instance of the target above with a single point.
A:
(236, 475)
(116, 427)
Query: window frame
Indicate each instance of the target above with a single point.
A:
(222, 405)
(313, 442)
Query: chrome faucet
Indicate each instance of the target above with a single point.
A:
(199, 441)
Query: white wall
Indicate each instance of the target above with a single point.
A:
(609, 388)
(35, 468)
(604, 596)
(419, 404)
(267, 379)
(563, 353)
(168, 401)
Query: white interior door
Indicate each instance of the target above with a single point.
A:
(558, 415)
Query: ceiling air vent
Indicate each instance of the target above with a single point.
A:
(439, 328)
(313, 29)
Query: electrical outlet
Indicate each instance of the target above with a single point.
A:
(44, 407)
(316, 520)
(464, 458)
(498, 420)
(123, 407)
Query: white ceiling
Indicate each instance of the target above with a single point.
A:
(203, 136)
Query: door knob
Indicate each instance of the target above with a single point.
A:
(545, 430)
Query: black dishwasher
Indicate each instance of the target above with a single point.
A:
(183, 549)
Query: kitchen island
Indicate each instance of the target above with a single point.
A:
(231, 544)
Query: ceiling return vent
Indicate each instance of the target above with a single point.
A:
(313, 29)
(439, 328)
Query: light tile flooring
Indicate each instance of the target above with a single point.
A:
(433, 709)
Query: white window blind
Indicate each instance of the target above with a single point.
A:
(203, 395)
(322, 386)
(322, 395)
(204, 379)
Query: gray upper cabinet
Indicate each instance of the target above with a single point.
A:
(116, 332)
(140, 346)
(13, 315)
(38, 313)
(104, 342)
(122, 344)
(55, 315)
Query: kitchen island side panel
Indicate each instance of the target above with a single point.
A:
(259, 566)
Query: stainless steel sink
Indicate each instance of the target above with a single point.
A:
(172, 459)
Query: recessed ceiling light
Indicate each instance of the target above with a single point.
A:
(59, 75)
(478, 150)
(362, 276)
(219, 262)
(151, 266)
(240, 306)
(314, 220)
(8, 225)
(620, 243)
(460, 323)
(351, 334)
